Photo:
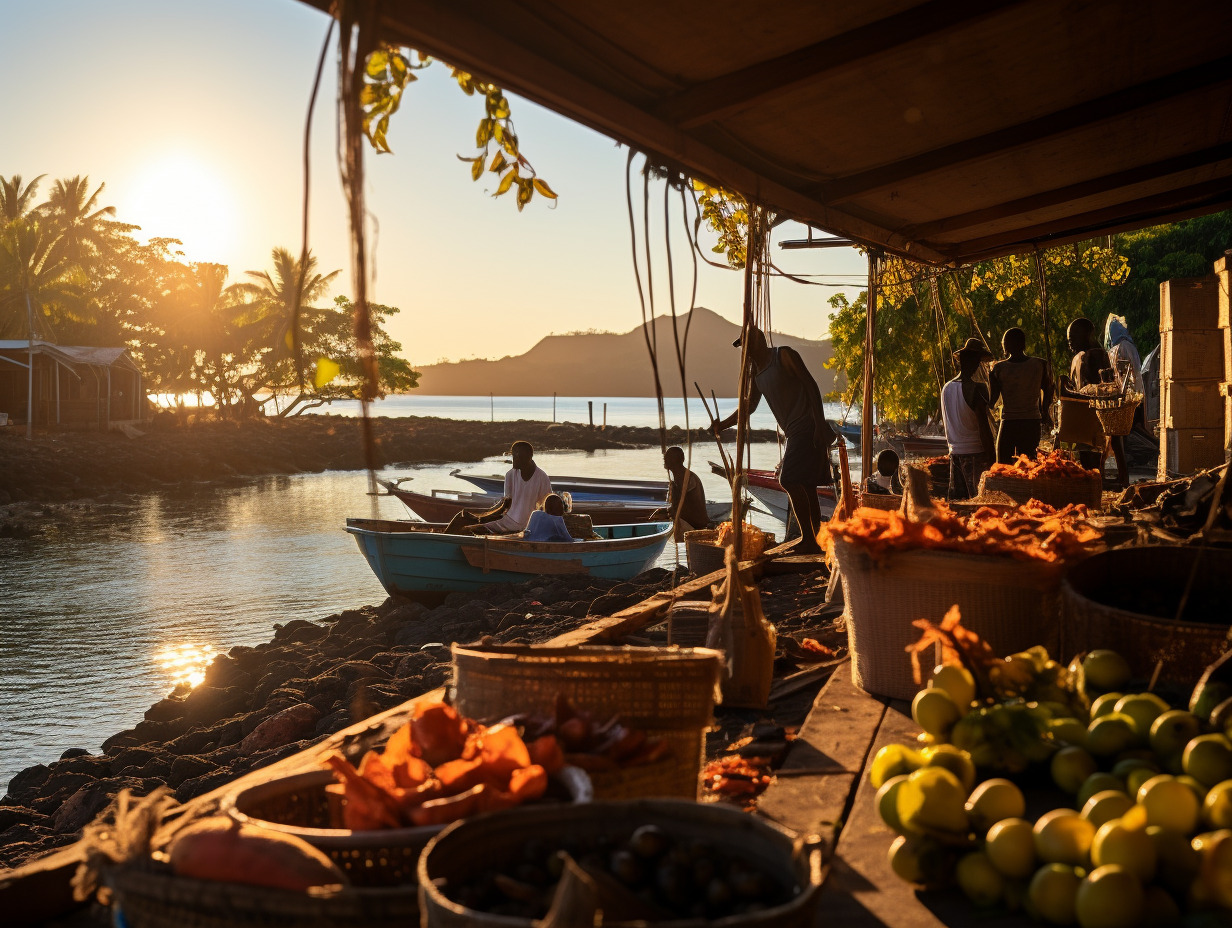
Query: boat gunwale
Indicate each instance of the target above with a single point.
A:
(518, 545)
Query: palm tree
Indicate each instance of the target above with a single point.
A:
(82, 222)
(15, 201)
(279, 313)
(39, 282)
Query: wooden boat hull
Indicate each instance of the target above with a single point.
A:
(764, 487)
(413, 558)
(581, 488)
(441, 507)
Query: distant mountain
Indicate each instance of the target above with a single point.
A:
(612, 364)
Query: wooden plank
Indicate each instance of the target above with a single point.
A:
(819, 774)
(1086, 188)
(737, 91)
(862, 889)
(1108, 106)
(491, 559)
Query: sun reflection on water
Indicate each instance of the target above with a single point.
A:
(185, 664)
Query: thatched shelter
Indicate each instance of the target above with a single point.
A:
(74, 387)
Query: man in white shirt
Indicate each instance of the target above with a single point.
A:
(526, 487)
(964, 409)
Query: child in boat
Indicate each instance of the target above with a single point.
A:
(885, 478)
(548, 523)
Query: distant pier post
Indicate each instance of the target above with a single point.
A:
(605, 416)
(590, 408)
(553, 405)
(492, 406)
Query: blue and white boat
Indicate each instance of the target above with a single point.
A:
(413, 558)
(580, 488)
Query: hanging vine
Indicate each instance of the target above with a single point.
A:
(387, 73)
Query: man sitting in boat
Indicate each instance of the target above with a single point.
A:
(686, 498)
(780, 376)
(526, 487)
(548, 523)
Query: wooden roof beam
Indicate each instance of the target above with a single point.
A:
(1195, 199)
(1119, 102)
(731, 93)
(1086, 188)
(448, 31)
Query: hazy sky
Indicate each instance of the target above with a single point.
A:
(192, 113)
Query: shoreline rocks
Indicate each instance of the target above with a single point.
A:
(260, 704)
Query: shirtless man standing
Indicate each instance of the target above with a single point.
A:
(780, 376)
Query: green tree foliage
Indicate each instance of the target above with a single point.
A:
(85, 279)
(923, 315)
(1182, 249)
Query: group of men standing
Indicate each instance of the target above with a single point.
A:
(1025, 388)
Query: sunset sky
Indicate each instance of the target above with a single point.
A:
(193, 116)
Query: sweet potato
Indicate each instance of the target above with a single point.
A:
(225, 851)
(545, 751)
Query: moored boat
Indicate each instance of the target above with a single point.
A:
(443, 505)
(412, 559)
(764, 486)
(581, 488)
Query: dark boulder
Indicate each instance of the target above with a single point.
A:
(85, 804)
(188, 767)
(292, 724)
(299, 631)
(29, 779)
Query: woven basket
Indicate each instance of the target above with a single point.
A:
(702, 551)
(1117, 415)
(156, 898)
(1011, 604)
(690, 624)
(888, 501)
(667, 693)
(1152, 578)
(299, 805)
(451, 856)
(1055, 491)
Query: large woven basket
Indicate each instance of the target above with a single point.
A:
(299, 805)
(1116, 414)
(1055, 491)
(1149, 580)
(668, 693)
(451, 856)
(703, 552)
(1011, 604)
(150, 897)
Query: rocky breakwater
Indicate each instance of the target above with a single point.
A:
(260, 704)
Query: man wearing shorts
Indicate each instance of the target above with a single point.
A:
(780, 376)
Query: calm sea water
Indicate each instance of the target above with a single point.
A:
(99, 622)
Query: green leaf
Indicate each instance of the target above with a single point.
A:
(399, 67)
(476, 169)
(484, 132)
(498, 163)
(502, 108)
(543, 188)
(326, 372)
(378, 63)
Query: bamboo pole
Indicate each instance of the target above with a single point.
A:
(752, 250)
(870, 339)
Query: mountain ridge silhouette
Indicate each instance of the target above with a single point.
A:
(617, 364)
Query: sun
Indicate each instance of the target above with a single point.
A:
(181, 196)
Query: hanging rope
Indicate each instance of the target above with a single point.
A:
(1043, 298)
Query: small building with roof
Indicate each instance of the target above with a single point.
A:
(74, 386)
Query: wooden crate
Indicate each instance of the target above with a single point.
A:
(1192, 404)
(1189, 303)
(1192, 354)
(1184, 451)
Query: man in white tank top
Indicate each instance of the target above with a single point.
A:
(964, 409)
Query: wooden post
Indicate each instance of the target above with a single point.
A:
(553, 405)
(605, 416)
(870, 340)
(590, 408)
(492, 406)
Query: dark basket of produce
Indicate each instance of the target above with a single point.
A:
(657, 861)
(1127, 599)
(887, 501)
(301, 805)
(668, 693)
